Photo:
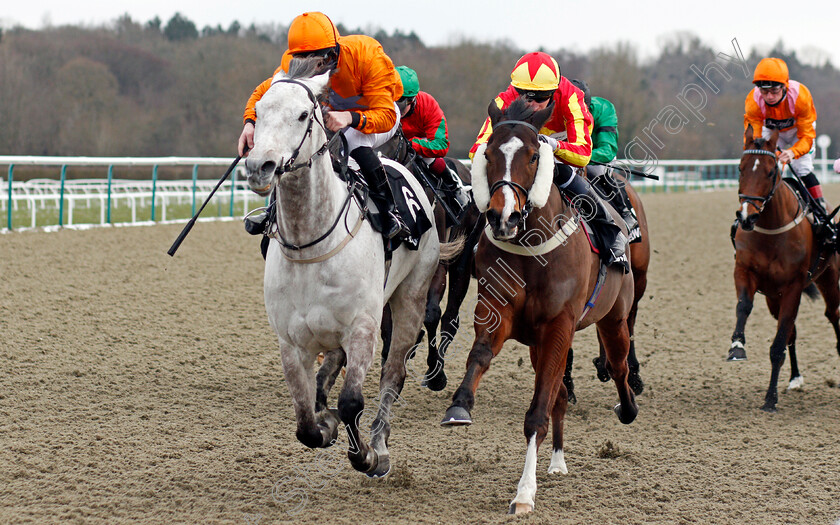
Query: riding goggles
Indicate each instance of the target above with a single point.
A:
(536, 96)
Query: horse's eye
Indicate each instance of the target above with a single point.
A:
(534, 158)
(303, 116)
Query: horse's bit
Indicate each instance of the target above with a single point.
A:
(762, 201)
(526, 209)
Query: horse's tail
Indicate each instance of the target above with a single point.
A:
(812, 292)
(452, 249)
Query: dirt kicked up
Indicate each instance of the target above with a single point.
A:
(139, 388)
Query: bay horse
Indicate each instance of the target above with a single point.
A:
(778, 255)
(639, 262)
(537, 274)
(457, 272)
(325, 286)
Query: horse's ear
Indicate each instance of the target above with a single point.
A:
(748, 136)
(495, 113)
(480, 186)
(320, 82)
(772, 141)
(541, 116)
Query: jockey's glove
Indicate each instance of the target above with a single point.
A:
(550, 141)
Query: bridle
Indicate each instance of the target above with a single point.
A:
(528, 206)
(760, 202)
(290, 166)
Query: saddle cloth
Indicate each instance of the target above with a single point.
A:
(407, 204)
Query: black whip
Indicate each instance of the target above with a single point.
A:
(190, 224)
(628, 170)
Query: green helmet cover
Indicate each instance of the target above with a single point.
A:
(411, 86)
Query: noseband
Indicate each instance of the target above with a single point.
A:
(527, 207)
(762, 201)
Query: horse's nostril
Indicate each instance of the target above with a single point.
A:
(268, 167)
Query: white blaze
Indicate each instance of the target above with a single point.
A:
(509, 149)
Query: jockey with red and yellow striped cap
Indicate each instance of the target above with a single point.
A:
(537, 78)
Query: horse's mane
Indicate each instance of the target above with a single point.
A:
(308, 67)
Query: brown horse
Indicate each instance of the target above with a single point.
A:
(639, 262)
(777, 254)
(536, 273)
(458, 271)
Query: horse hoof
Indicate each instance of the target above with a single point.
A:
(737, 353)
(520, 508)
(636, 384)
(382, 468)
(603, 375)
(456, 416)
(366, 464)
(796, 383)
(436, 383)
(770, 409)
(625, 416)
(330, 424)
(572, 398)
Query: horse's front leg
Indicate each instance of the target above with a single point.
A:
(548, 358)
(795, 377)
(434, 374)
(492, 328)
(326, 376)
(568, 382)
(313, 430)
(635, 378)
(459, 284)
(785, 310)
(745, 287)
(616, 338)
(359, 346)
(830, 290)
(406, 308)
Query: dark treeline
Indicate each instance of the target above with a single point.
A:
(159, 89)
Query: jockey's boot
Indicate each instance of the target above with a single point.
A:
(451, 183)
(596, 212)
(456, 186)
(622, 206)
(826, 231)
(377, 181)
(257, 223)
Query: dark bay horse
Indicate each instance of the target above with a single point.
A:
(458, 271)
(777, 254)
(639, 262)
(536, 273)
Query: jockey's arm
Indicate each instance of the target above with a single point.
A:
(434, 143)
(806, 132)
(576, 150)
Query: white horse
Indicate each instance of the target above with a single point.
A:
(325, 277)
